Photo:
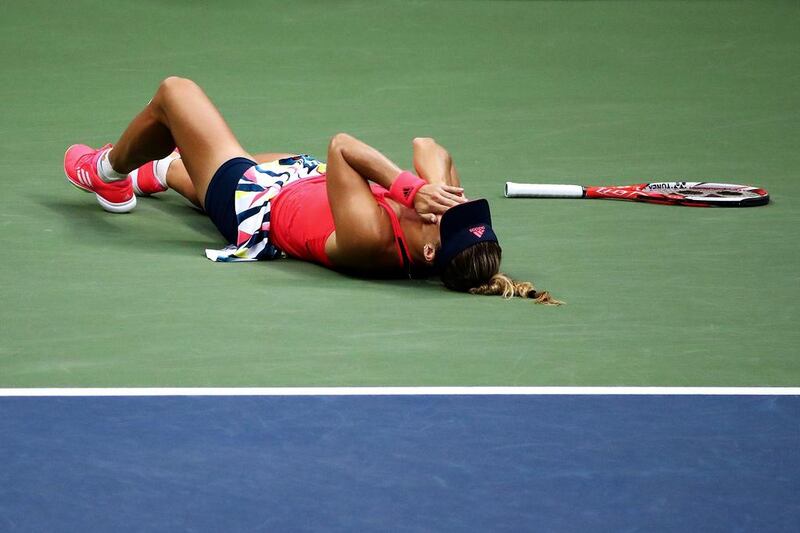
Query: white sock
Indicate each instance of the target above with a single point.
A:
(161, 167)
(106, 171)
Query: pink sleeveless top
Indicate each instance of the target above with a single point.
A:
(301, 221)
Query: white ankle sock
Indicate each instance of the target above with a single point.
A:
(106, 171)
(161, 167)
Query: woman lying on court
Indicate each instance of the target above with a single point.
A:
(329, 214)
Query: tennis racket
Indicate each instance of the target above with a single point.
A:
(691, 193)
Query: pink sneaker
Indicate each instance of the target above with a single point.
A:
(80, 166)
(145, 181)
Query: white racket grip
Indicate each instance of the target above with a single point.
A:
(542, 190)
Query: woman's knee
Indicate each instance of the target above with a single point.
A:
(338, 142)
(176, 84)
(171, 89)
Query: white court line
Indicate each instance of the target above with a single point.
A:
(402, 391)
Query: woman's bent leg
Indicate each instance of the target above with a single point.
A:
(178, 177)
(180, 114)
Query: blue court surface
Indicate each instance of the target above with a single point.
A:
(401, 463)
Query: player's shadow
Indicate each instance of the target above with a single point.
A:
(186, 214)
(431, 286)
(188, 230)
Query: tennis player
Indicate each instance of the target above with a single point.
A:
(270, 204)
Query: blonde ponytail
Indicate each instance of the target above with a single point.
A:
(502, 285)
(468, 270)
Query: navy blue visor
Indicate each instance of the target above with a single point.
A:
(463, 226)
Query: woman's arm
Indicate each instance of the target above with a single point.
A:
(433, 163)
(356, 214)
(360, 235)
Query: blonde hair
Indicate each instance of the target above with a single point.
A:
(470, 269)
(502, 285)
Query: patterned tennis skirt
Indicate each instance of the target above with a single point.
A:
(256, 188)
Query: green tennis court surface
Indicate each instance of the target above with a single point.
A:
(587, 92)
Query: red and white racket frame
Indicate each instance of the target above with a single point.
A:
(688, 193)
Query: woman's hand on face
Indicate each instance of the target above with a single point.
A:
(435, 199)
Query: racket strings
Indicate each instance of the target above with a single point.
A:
(715, 193)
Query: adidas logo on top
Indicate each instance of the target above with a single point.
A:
(478, 231)
(406, 191)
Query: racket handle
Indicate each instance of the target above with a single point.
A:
(542, 190)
